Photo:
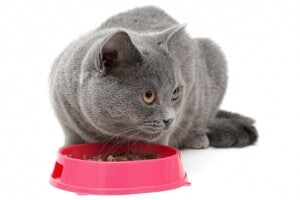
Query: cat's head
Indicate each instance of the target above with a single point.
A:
(131, 85)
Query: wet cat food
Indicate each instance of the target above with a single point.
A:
(124, 156)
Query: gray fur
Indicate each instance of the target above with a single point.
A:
(146, 49)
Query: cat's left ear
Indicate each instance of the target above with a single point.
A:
(117, 51)
(167, 36)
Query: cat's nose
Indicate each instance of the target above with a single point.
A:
(168, 122)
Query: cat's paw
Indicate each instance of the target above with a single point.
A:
(232, 133)
(197, 142)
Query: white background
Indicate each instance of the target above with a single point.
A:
(262, 45)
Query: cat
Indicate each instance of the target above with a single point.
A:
(141, 77)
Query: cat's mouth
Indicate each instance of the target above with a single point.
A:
(148, 136)
(150, 132)
(143, 133)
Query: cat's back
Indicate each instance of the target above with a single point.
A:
(143, 19)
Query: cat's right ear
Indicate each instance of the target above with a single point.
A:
(117, 51)
(167, 36)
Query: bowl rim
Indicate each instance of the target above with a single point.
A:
(63, 156)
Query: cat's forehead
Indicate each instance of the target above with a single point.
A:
(156, 66)
(154, 71)
(155, 58)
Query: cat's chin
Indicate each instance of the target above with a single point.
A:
(147, 136)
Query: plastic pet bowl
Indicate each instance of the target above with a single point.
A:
(73, 173)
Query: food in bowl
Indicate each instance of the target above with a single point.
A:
(123, 156)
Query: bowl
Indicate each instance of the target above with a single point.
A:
(73, 172)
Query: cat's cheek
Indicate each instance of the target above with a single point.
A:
(177, 103)
(91, 108)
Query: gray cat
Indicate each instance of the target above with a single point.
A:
(140, 76)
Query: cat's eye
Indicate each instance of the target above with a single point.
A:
(149, 96)
(175, 94)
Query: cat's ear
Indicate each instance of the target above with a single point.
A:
(165, 37)
(116, 51)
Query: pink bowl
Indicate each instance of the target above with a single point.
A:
(74, 174)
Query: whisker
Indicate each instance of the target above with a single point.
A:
(115, 146)
(130, 135)
(136, 139)
(122, 141)
(116, 136)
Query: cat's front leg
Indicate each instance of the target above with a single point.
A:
(196, 139)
